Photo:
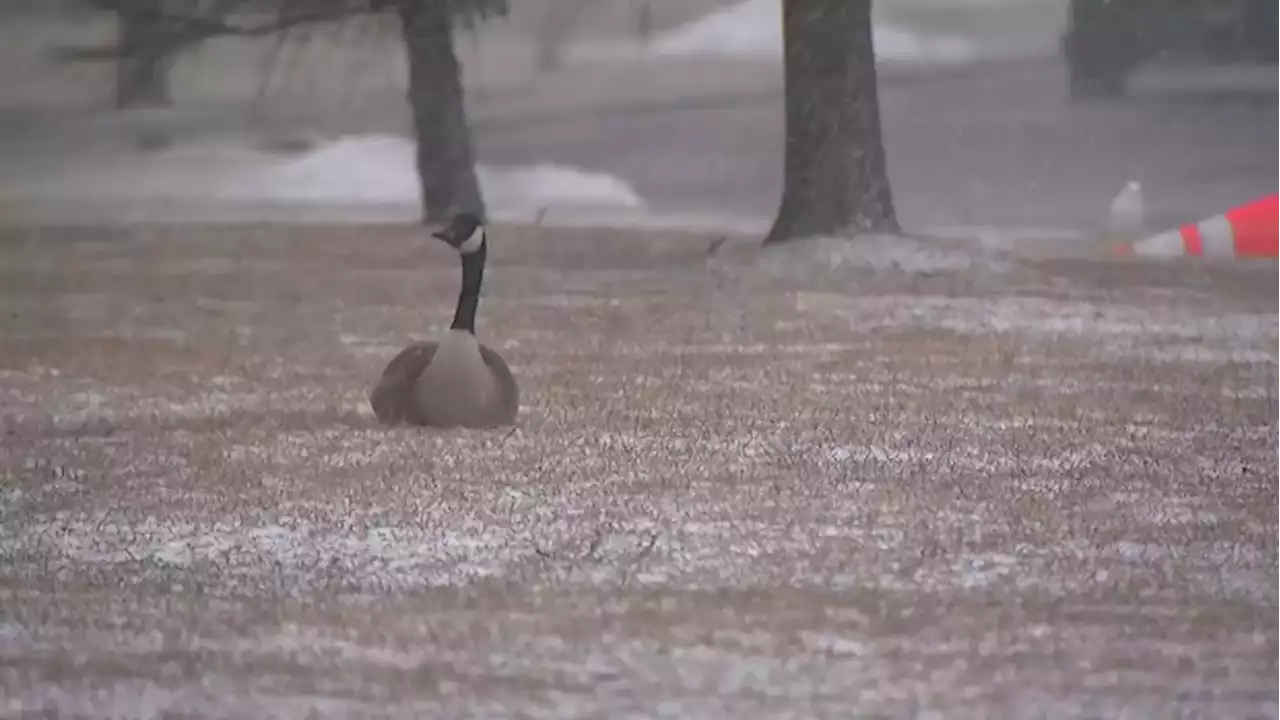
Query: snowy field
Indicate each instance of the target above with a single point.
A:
(753, 28)
(230, 178)
(907, 33)
(930, 479)
(823, 480)
(229, 175)
(230, 150)
(179, 158)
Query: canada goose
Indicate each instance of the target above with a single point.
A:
(456, 380)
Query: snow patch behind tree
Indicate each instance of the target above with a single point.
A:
(350, 171)
(753, 29)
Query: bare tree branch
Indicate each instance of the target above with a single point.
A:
(190, 29)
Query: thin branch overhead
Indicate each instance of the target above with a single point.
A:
(219, 18)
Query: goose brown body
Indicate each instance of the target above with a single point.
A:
(455, 381)
(402, 395)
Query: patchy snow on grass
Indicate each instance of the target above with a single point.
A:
(1125, 329)
(81, 402)
(299, 554)
(879, 253)
(753, 29)
(214, 694)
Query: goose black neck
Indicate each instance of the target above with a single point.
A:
(464, 316)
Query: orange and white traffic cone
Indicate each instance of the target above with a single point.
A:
(1246, 231)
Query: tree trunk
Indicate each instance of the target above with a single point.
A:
(142, 73)
(835, 175)
(445, 159)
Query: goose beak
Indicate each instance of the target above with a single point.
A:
(442, 235)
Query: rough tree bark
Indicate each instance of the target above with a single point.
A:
(835, 175)
(142, 71)
(445, 159)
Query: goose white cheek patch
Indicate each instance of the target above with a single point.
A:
(472, 243)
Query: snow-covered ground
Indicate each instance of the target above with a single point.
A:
(374, 170)
(207, 166)
(733, 490)
(753, 28)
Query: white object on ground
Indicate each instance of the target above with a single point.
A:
(1164, 245)
(1126, 217)
(753, 28)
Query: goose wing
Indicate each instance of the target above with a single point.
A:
(393, 401)
(508, 403)
(392, 397)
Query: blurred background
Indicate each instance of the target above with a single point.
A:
(1014, 114)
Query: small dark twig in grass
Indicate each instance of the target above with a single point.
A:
(645, 551)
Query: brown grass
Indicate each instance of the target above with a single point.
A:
(742, 484)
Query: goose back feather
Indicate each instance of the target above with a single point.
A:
(402, 396)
